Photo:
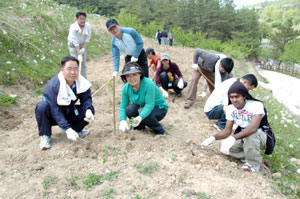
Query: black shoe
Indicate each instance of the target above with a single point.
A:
(179, 94)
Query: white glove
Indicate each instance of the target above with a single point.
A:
(123, 126)
(203, 94)
(71, 134)
(80, 58)
(136, 121)
(208, 141)
(82, 51)
(133, 59)
(195, 67)
(89, 116)
(165, 93)
(114, 74)
(180, 84)
(226, 144)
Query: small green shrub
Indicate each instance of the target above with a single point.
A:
(6, 100)
(148, 168)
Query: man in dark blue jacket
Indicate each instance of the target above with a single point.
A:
(58, 103)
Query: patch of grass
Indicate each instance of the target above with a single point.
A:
(34, 40)
(93, 179)
(148, 168)
(47, 182)
(6, 100)
(142, 197)
(108, 193)
(39, 91)
(174, 157)
(287, 133)
(201, 195)
(72, 181)
(117, 151)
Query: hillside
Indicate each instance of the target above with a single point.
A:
(131, 165)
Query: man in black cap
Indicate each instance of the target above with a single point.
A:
(128, 41)
(253, 133)
(215, 68)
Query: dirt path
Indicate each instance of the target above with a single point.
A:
(181, 169)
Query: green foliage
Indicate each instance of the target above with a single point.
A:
(108, 193)
(47, 182)
(72, 181)
(6, 100)
(93, 179)
(291, 52)
(147, 168)
(33, 40)
(201, 195)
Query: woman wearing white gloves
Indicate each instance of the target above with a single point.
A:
(168, 75)
(141, 101)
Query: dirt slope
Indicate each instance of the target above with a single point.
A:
(181, 168)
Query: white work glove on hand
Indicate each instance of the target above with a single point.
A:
(114, 74)
(226, 144)
(82, 51)
(133, 59)
(208, 141)
(195, 67)
(136, 121)
(80, 58)
(123, 126)
(71, 134)
(165, 93)
(89, 116)
(180, 84)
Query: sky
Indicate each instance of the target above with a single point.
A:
(241, 3)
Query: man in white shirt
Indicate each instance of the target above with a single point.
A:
(218, 100)
(78, 38)
(253, 133)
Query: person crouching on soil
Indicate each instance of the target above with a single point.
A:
(253, 133)
(168, 75)
(141, 100)
(58, 104)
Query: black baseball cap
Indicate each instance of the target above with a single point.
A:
(111, 23)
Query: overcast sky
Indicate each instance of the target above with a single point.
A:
(241, 3)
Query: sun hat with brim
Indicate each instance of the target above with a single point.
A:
(131, 70)
(111, 23)
(164, 56)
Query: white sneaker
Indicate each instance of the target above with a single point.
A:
(45, 142)
(83, 132)
(217, 127)
(249, 168)
(203, 94)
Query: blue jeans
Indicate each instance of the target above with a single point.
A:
(164, 80)
(152, 120)
(217, 113)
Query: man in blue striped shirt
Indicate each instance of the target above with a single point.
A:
(128, 41)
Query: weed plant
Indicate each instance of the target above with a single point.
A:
(6, 100)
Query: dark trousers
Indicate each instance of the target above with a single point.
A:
(170, 42)
(142, 61)
(159, 41)
(152, 120)
(217, 113)
(45, 120)
(164, 81)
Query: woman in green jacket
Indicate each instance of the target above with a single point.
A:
(141, 100)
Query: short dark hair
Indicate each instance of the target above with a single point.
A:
(251, 79)
(68, 58)
(127, 67)
(227, 64)
(150, 50)
(80, 13)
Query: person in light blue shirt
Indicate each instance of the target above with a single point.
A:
(141, 100)
(128, 41)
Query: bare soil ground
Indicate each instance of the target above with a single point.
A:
(181, 168)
